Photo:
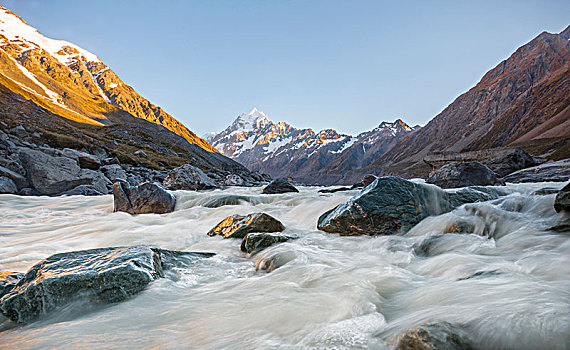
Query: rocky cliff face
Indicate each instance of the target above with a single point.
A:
(282, 150)
(524, 101)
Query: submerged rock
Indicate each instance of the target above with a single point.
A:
(255, 242)
(274, 259)
(188, 177)
(98, 276)
(142, 199)
(389, 205)
(237, 226)
(228, 199)
(279, 186)
(562, 201)
(474, 194)
(83, 190)
(436, 335)
(463, 174)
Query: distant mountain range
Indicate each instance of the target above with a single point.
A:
(524, 101)
(282, 150)
(77, 101)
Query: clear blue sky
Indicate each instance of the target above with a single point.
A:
(346, 65)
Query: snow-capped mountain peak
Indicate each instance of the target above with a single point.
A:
(15, 29)
(283, 150)
(251, 120)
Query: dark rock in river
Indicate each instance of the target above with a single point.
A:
(562, 201)
(552, 172)
(392, 205)
(142, 199)
(546, 191)
(463, 174)
(279, 186)
(103, 275)
(237, 226)
(334, 190)
(255, 242)
(437, 335)
(389, 205)
(99, 276)
(7, 186)
(188, 177)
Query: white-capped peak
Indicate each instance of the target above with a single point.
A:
(14, 29)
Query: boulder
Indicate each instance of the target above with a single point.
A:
(188, 177)
(53, 175)
(223, 199)
(142, 199)
(389, 205)
(238, 226)
(255, 242)
(392, 205)
(279, 186)
(114, 172)
(562, 200)
(233, 180)
(140, 153)
(8, 280)
(436, 335)
(367, 179)
(463, 174)
(7, 186)
(548, 172)
(85, 160)
(98, 276)
(19, 180)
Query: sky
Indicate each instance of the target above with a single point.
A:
(346, 65)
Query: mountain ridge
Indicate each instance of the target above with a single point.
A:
(282, 150)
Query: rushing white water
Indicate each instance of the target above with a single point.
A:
(336, 292)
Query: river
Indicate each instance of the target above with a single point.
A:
(511, 291)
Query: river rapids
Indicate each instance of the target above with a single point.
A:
(511, 291)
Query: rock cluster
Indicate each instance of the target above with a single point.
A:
(31, 169)
(562, 200)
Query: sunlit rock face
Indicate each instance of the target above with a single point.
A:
(237, 226)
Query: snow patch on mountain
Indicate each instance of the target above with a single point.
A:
(16, 30)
